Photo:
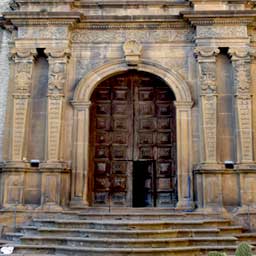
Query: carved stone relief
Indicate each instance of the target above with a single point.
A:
(207, 80)
(57, 78)
(120, 36)
(43, 32)
(22, 86)
(242, 83)
(222, 31)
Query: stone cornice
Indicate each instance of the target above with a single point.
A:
(219, 17)
(20, 18)
(132, 3)
(43, 1)
(132, 22)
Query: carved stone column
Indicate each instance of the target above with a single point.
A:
(241, 61)
(79, 193)
(242, 80)
(206, 57)
(58, 60)
(24, 60)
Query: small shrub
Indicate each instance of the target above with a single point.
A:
(244, 249)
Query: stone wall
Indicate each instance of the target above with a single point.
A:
(4, 74)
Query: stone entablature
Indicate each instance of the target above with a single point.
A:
(176, 40)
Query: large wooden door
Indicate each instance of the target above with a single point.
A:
(132, 123)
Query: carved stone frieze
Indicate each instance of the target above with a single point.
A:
(121, 36)
(42, 32)
(222, 31)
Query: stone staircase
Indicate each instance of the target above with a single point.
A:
(139, 232)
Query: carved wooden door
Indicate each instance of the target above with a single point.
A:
(133, 120)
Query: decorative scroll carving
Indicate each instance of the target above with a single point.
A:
(57, 78)
(207, 78)
(242, 82)
(132, 51)
(23, 59)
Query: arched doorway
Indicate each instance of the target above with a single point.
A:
(132, 142)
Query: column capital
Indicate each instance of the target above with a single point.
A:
(22, 54)
(240, 53)
(184, 104)
(58, 55)
(81, 105)
(206, 53)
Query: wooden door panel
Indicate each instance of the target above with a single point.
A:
(111, 146)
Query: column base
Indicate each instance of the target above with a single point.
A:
(185, 205)
(50, 207)
(216, 210)
(246, 210)
(78, 202)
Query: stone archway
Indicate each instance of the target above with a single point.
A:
(81, 103)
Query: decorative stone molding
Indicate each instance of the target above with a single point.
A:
(132, 52)
(242, 82)
(24, 59)
(81, 104)
(58, 60)
(206, 57)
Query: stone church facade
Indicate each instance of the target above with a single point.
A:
(128, 104)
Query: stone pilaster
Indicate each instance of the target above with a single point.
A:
(243, 104)
(80, 170)
(206, 57)
(24, 60)
(58, 60)
(184, 149)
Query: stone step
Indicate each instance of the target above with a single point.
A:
(121, 224)
(128, 243)
(140, 215)
(81, 251)
(94, 233)
(247, 237)
(13, 236)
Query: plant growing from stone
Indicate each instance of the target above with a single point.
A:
(244, 249)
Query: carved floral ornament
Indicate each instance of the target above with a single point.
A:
(132, 52)
(57, 77)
